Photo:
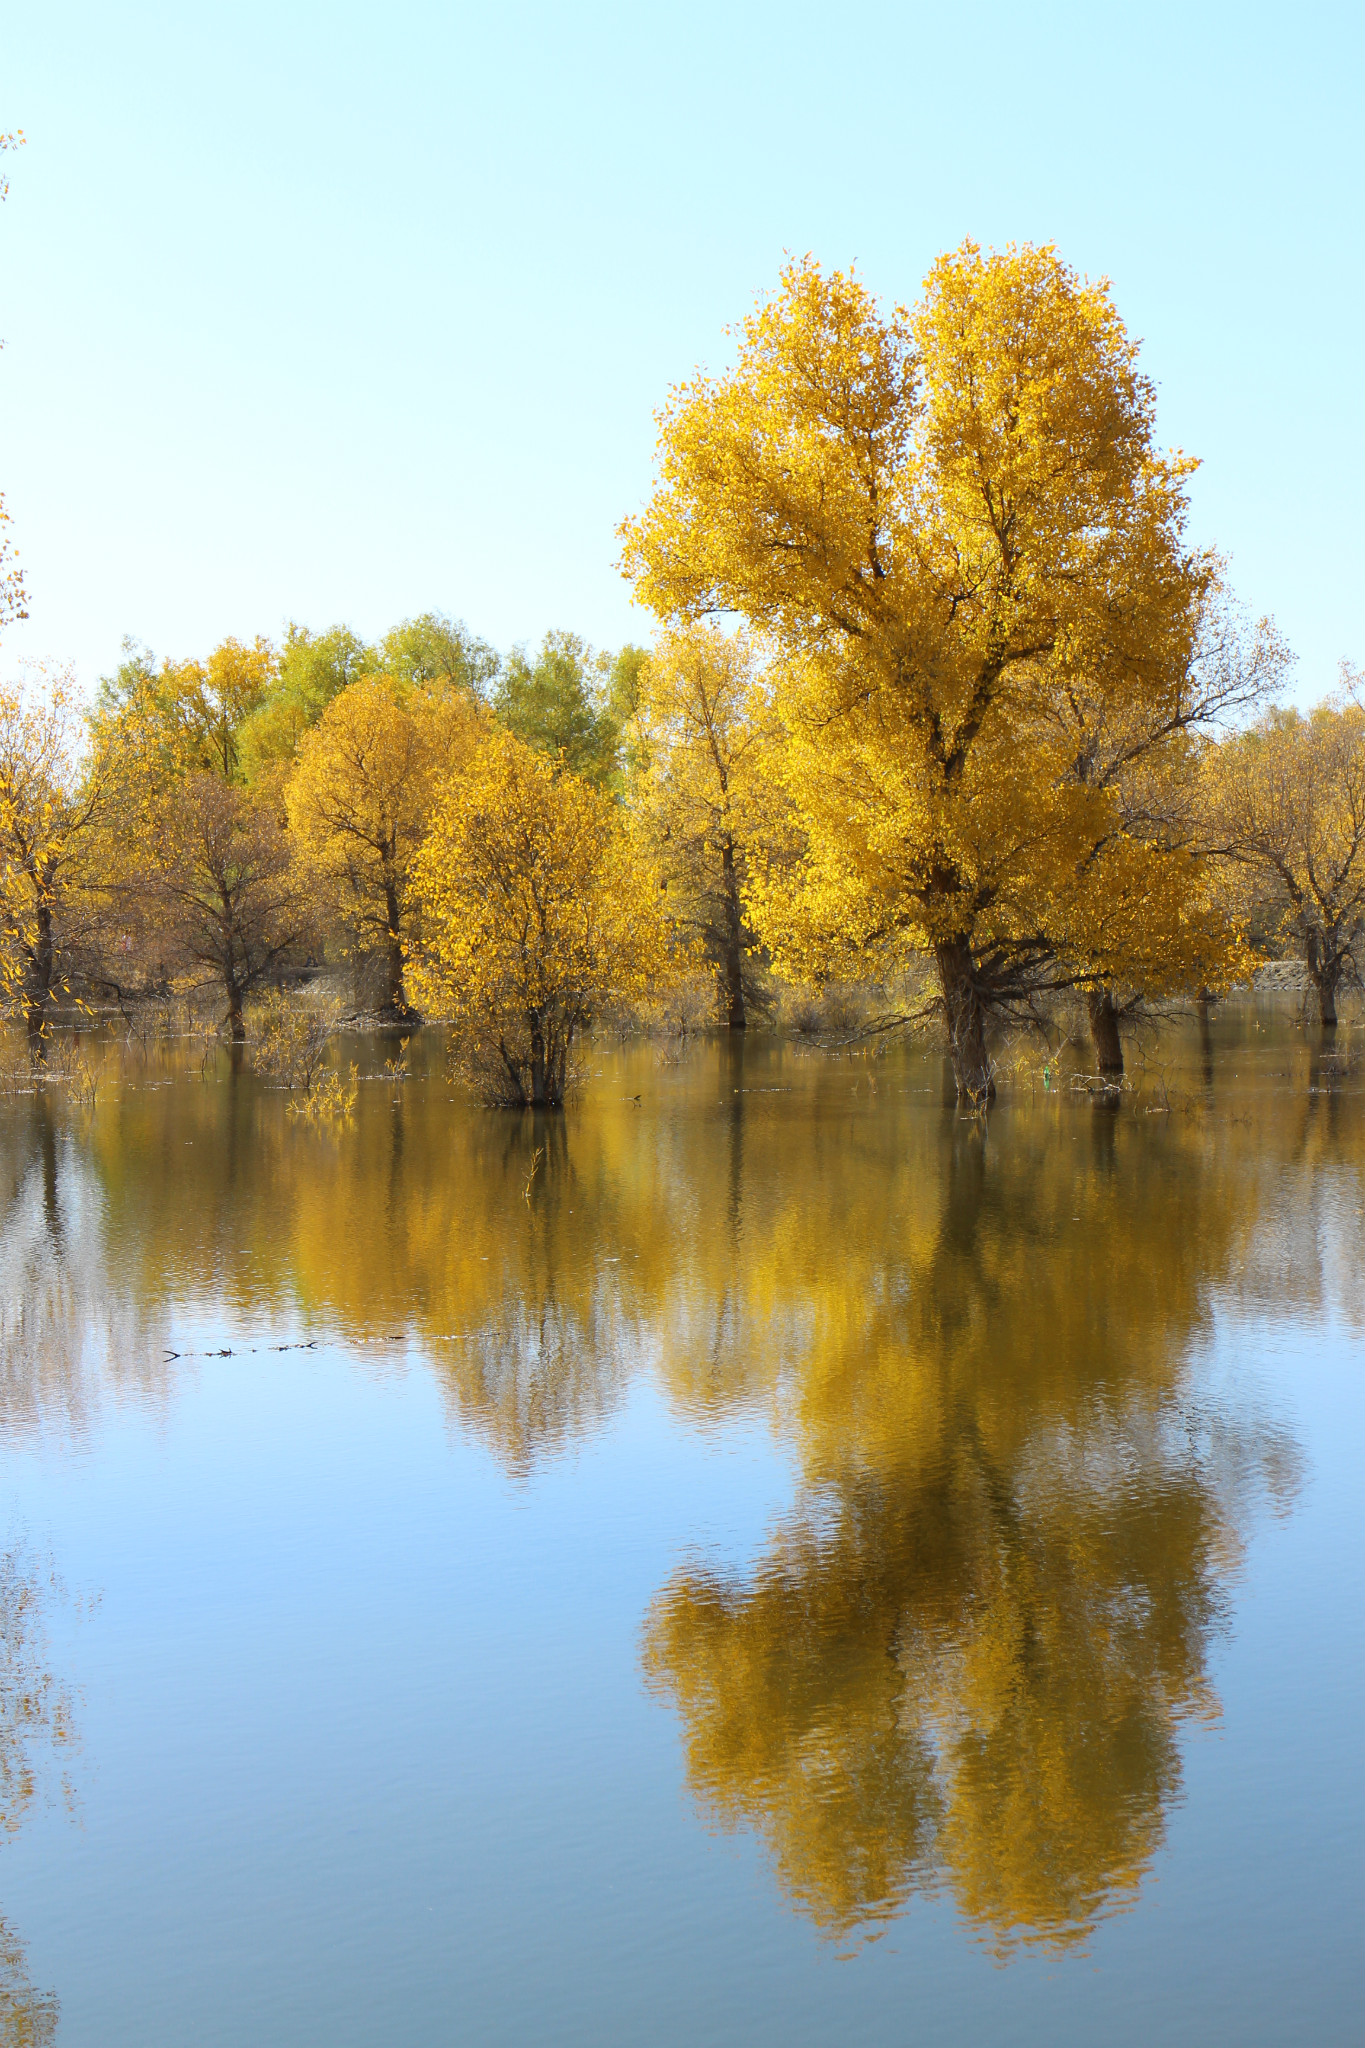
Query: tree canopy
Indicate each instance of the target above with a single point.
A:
(360, 799)
(536, 912)
(703, 741)
(1288, 801)
(943, 520)
(559, 704)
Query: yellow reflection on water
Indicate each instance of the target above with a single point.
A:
(963, 1660)
(36, 1728)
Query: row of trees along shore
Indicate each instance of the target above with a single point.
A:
(941, 698)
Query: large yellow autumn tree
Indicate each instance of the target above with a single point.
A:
(535, 911)
(942, 519)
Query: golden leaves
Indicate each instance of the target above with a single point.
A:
(1287, 799)
(535, 908)
(360, 798)
(944, 522)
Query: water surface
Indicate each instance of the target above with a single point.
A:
(761, 1558)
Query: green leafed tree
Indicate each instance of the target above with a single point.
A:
(559, 702)
(438, 653)
(314, 668)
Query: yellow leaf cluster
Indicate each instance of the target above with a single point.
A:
(1287, 801)
(536, 911)
(51, 801)
(360, 797)
(704, 738)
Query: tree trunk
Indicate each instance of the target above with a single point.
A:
(236, 1023)
(966, 1017)
(38, 996)
(732, 957)
(537, 1066)
(1325, 974)
(1327, 1001)
(1104, 1030)
(393, 1004)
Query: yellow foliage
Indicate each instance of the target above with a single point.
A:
(50, 808)
(942, 520)
(1287, 800)
(197, 870)
(331, 1099)
(536, 911)
(12, 595)
(187, 716)
(289, 1041)
(704, 735)
(361, 795)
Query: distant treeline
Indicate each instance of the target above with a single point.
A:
(977, 708)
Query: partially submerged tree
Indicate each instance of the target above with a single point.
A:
(1288, 801)
(198, 871)
(52, 801)
(214, 895)
(937, 519)
(536, 911)
(1146, 919)
(703, 734)
(360, 800)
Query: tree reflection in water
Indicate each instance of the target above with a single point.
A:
(963, 1663)
(70, 1324)
(35, 1728)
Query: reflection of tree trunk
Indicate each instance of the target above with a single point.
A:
(1205, 1038)
(1104, 1030)
(52, 1214)
(395, 1204)
(732, 1072)
(966, 1017)
(732, 956)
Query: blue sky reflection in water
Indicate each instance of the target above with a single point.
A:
(813, 1571)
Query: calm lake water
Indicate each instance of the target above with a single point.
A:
(762, 1558)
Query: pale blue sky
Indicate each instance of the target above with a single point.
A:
(340, 312)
